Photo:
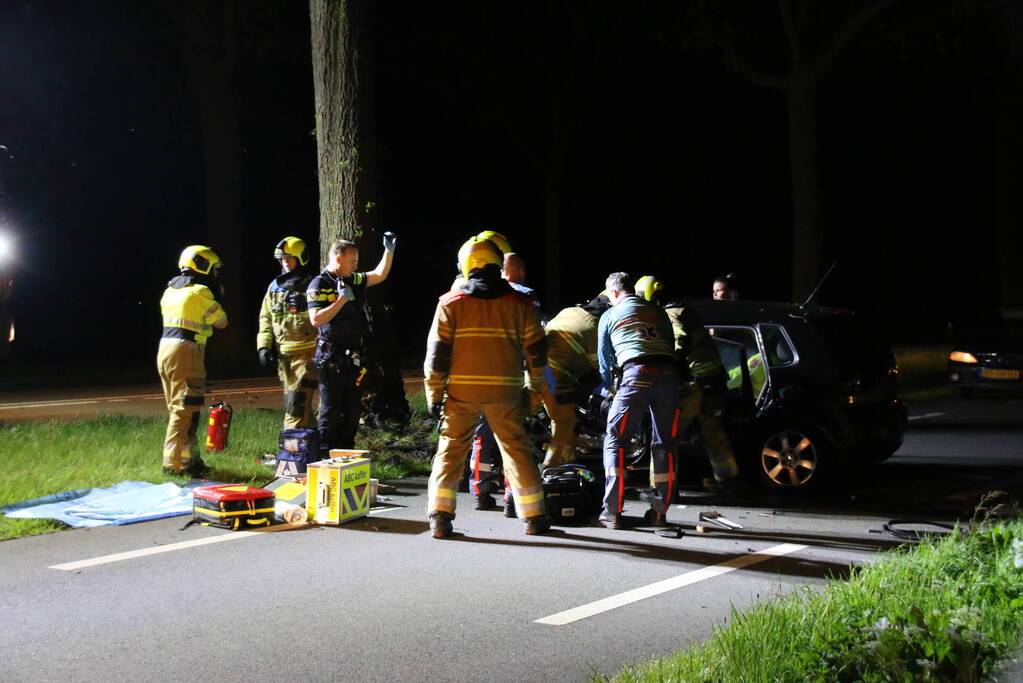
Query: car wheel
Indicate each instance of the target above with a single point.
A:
(791, 459)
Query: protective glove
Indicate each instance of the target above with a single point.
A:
(389, 240)
(267, 357)
(347, 292)
(436, 410)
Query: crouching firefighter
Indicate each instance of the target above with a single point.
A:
(473, 368)
(190, 312)
(286, 337)
(337, 309)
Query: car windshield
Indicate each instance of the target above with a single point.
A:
(854, 347)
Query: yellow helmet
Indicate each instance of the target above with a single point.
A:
(292, 246)
(200, 259)
(647, 286)
(477, 253)
(498, 240)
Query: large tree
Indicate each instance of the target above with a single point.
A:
(341, 32)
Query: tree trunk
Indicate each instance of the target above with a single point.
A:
(341, 55)
(804, 177)
(210, 54)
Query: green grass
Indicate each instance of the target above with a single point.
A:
(946, 610)
(922, 371)
(37, 459)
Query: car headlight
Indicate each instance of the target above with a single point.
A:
(962, 357)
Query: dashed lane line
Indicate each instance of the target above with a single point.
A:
(924, 416)
(636, 594)
(184, 545)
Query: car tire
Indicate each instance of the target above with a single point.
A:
(795, 459)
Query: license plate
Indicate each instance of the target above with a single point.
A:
(994, 373)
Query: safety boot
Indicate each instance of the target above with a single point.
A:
(535, 526)
(610, 520)
(509, 508)
(485, 501)
(654, 518)
(440, 524)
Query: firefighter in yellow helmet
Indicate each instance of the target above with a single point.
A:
(473, 368)
(190, 312)
(703, 395)
(286, 337)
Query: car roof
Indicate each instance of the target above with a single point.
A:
(749, 311)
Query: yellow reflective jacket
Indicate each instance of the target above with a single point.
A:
(692, 337)
(284, 315)
(189, 311)
(476, 345)
(571, 348)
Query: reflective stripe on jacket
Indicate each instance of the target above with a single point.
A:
(284, 315)
(190, 312)
(476, 345)
(692, 337)
(571, 347)
(631, 328)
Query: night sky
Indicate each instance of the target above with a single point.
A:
(675, 164)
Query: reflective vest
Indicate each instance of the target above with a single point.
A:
(284, 316)
(189, 311)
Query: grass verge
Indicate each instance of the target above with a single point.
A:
(37, 459)
(945, 610)
(922, 371)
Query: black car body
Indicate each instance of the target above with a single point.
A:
(988, 358)
(813, 389)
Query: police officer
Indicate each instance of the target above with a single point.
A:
(703, 395)
(190, 312)
(286, 337)
(337, 308)
(473, 367)
(634, 342)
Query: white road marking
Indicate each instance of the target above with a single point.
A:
(689, 578)
(184, 545)
(925, 416)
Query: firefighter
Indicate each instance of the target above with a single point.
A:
(572, 356)
(634, 343)
(190, 312)
(286, 337)
(474, 367)
(703, 395)
(337, 308)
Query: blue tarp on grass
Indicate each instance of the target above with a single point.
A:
(123, 503)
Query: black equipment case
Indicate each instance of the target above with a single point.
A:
(572, 494)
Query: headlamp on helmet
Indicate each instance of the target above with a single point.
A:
(291, 246)
(199, 258)
(477, 253)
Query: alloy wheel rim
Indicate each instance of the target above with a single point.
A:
(789, 458)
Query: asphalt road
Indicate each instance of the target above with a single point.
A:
(379, 599)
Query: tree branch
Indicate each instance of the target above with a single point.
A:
(791, 32)
(755, 76)
(823, 63)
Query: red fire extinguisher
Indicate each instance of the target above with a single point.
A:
(220, 426)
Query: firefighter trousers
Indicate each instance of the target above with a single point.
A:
(507, 420)
(644, 388)
(564, 415)
(182, 370)
(298, 375)
(715, 438)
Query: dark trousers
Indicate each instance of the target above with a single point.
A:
(485, 464)
(649, 387)
(340, 408)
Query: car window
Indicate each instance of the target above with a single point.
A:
(741, 345)
(780, 351)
